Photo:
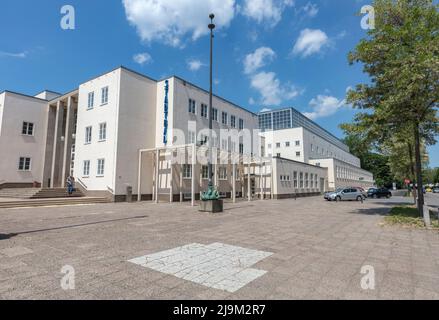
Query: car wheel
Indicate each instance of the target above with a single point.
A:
(375, 196)
(338, 198)
(388, 196)
(359, 198)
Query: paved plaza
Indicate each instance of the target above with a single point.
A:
(287, 249)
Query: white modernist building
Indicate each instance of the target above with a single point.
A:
(123, 132)
(289, 134)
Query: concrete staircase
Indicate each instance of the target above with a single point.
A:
(26, 203)
(55, 193)
(18, 193)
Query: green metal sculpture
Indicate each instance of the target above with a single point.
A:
(211, 194)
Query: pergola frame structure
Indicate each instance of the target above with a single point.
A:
(247, 167)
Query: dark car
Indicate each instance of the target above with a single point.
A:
(379, 193)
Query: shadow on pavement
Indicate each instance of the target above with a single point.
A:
(7, 236)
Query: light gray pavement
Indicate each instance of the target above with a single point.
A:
(318, 249)
(432, 199)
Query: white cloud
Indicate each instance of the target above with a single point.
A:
(324, 106)
(256, 60)
(142, 58)
(271, 90)
(170, 21)
(310, 42)
(265, 110)
(266, 11)
(310, 9)
(195, 65)
(21, 55)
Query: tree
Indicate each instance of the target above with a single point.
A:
(401, 56)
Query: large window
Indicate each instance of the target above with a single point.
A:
(24, 164)
(192, 137)
(187, 171)
(233, 121)
(241, 148)
(214, 114)
(103, 131)
(101, 167)
(27, 129)
(104, 95)
(241, 124)
(306, 181)
(301, 180)
(204, 110)
(295, 179)
(222, 173)
(192, 106)
(88, 135)
(205, 172)
(224, 118)
(86, 168)
(312, 180)
(91, 100)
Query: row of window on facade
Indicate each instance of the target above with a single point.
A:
(301, 180)
(287, 144)
(100, 168)
(225, 143)
(91, 98)
(102, 133)
(223, 173)
(224, 115)
(344, 173)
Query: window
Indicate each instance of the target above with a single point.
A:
(214, 114)
(104, 95)
(269, 146)
(297, 143)
(298, 154)
(312, 147)
(27, 129)
(306, 181)
(301, 180)
(295, 179)
(232, 146)
(187, 171)
(222, 173)
(192, 106)
(224, 118)
(192, 136)
(241, 124)
(205, 172)
(287, 144)
(233, 121)
(241, 148)
(24, 164)
(91, 100)
(312, 180)
(101, 167)
(88, 132)
(204, 112)
(224, 144)
(278, 145)
(86, 168)
(277, 155)
(103, 131)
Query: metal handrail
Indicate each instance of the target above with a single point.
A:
(82, 184)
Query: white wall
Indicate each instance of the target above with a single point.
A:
(14, 110)
(286, 185)
(137, 124)
(100, 113)
(47, 95)
(282, 137)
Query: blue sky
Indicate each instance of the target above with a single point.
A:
(268, 53)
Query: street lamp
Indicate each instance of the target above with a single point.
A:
(211, 193)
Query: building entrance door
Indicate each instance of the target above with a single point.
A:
(322, 185)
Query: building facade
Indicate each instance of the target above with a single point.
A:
(122, 132)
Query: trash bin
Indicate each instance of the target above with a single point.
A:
(129, 194)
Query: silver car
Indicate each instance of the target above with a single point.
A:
(346, 194)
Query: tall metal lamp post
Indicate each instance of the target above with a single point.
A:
(211, 193)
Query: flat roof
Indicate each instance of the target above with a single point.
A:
(23, 95)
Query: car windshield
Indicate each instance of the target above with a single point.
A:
(371, 190)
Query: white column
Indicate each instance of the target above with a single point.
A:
(193, 175)
(157, 184)
(271, 181)
(260, 180)
(234, 182)
(67, 138)
(139, 178)
(55, 145)
(171, 191)
(249, 192)
(181, 183)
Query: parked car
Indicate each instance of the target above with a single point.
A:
(428, 189)
(379, 193)
(435, 190)
(346, 194)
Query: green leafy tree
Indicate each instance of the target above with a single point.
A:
(401, 56)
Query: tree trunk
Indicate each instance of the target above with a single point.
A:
(412, 168)
(418, 162)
